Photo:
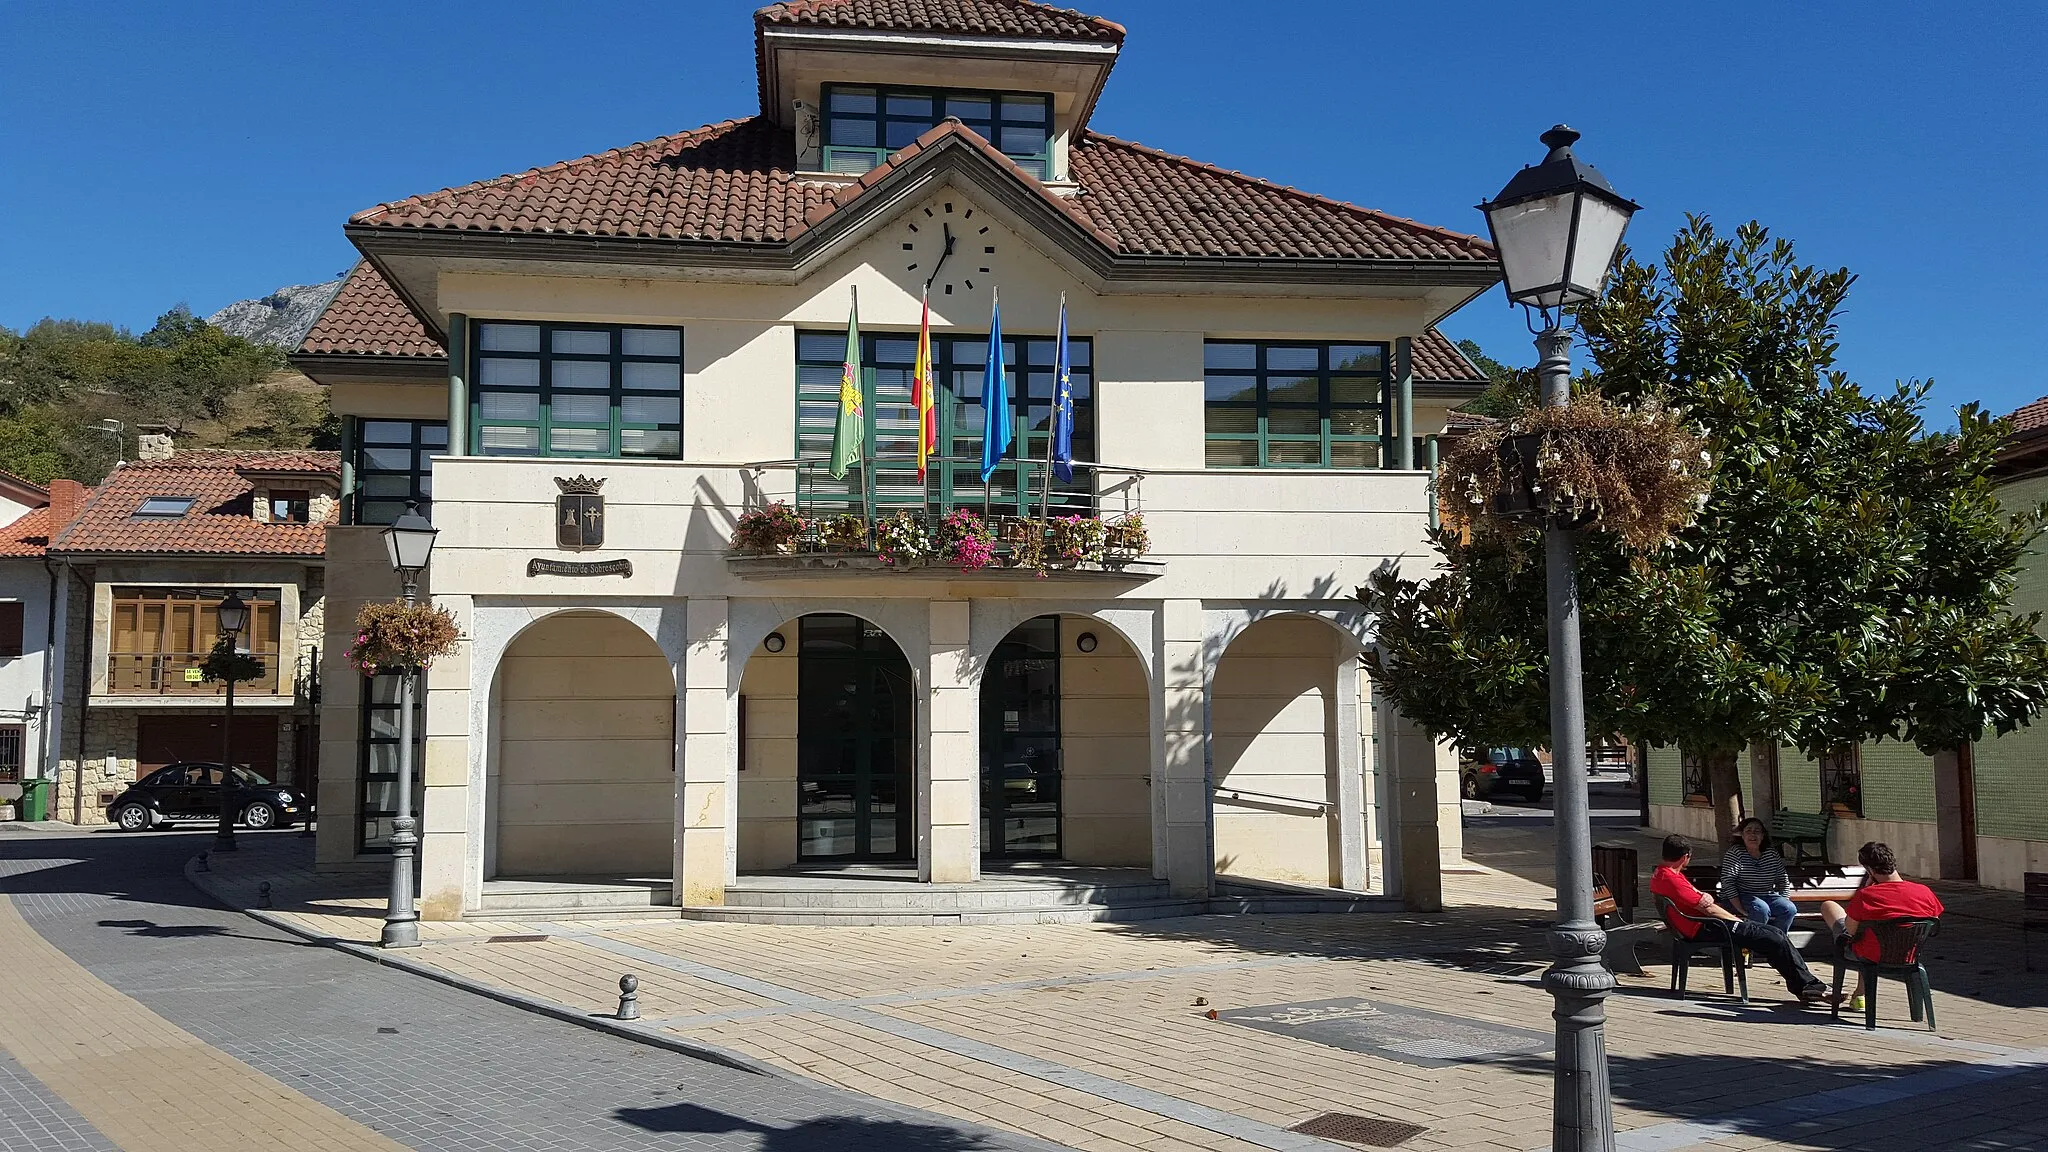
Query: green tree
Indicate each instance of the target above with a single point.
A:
(1848, 579)
(1508, 389)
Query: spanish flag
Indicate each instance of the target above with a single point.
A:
(851, 427)
(922, 390)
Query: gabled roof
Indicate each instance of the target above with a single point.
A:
(29, 535)
(2030, 417)
(735, 183)
(367, 318)
(1439, 361)
(220, 521)
(1025, 18)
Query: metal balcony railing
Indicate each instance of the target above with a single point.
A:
(177, 674)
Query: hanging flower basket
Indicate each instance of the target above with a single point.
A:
(224, 665)
(1126, 538)
(767, 531)
(902, 539)
(1634, 472)
(845, 532)
(400, 637)
(966, 541)
(1075, 540)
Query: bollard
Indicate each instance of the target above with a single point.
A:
(306, 827)
(203, 867)
(263, 894)
(629, 997)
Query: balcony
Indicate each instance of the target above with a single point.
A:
(164, 674)
(1022, 522)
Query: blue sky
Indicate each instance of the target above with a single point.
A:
(204, 153)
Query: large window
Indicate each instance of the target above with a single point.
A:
(864, 125)
(1271, 405)
(577, 390)
(394, 463)
(377, 759)
(160, 636)
(958, 364)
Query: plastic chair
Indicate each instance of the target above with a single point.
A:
(1898, 944)
(1684, 951)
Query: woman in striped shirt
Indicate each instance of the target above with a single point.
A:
(1753, 879)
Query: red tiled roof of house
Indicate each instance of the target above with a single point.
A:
(220, 520)
(367, 318)
(983, 17)
(2030, 417)
(27, 536)
(1439, 361)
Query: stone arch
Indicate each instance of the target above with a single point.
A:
(769, 801)
(579, 747)
(1285, 757)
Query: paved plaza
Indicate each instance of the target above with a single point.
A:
(1099, 1037)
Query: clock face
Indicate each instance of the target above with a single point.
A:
(949, 247)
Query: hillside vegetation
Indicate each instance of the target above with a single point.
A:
(209, 389)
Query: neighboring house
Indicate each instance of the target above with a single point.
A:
(663, 326)
(141, 567)
(24, 631)
(1979, 814)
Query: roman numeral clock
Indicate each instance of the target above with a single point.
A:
(949, 247)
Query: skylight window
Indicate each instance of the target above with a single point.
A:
(165, 507)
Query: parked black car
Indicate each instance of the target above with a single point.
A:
(191, 791)
(1489, 770)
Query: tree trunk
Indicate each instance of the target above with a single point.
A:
(1726, 789)
(1763, 778)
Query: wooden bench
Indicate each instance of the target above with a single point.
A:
(1814, 883)
(1799, 829)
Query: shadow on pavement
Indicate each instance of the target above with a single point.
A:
(147, 867)
(824, 1134)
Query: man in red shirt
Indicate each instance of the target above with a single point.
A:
(1696, 916)
(1885, 895)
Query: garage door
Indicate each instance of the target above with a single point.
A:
(162, 740)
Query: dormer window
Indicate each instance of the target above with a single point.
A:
(863, 125)
(290, 506)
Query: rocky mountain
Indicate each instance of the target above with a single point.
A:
(280, 319)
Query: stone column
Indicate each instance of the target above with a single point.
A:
(450, 857)
(705, 763)
(1180, 778)
(949, 771)
(1346, 787)
(1413, 757)
(458, 384)
(1404, 402)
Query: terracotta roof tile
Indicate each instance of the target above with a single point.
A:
(27, 536)
(1156, 203)
(219, 522)
(1438, 360)
(367, 318)
(986, 17)
(2031, 417)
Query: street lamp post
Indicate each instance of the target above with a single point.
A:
(1557, 226)
(232, 615)
(410, 542)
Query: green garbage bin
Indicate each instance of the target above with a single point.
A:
(35, 800)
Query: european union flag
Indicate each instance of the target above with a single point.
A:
(995, 398)
(1063, 405)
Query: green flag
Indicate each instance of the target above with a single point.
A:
(850, 429)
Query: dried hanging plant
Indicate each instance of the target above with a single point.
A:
(395, 635)
(1637, 473)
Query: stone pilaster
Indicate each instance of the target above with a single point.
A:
(450, 863)
(705, 789)
(949, 774)
(1180, 778)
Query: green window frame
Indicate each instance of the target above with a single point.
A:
(393, 462)
(890, 440)
(1296, 404)
(863, 123)
(576, 390)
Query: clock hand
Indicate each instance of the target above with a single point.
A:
(947, 229)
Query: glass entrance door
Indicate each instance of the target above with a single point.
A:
(1020, 742)
(855, 732)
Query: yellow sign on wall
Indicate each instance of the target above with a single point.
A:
(194, 676)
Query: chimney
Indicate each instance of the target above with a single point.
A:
(66, 498)
(153, 446)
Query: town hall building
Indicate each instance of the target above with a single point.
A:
(687, 696)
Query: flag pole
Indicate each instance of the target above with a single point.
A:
(867, 506)
(1052, 420)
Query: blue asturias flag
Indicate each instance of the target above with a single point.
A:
(995, 398)
(1063, 404)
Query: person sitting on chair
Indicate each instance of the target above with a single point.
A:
(1753, 880)
(1699, 917)
(1884, 895)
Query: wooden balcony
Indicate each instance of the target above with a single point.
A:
(177, 674)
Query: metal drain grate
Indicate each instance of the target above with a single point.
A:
(1352, 1128)
(521, 939)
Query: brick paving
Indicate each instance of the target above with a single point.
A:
(1096, 1036)
(142, 1016)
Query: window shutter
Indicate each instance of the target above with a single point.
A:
(10, 628)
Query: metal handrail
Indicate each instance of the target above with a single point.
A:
(1320, 806)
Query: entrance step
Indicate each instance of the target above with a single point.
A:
(1243, 896)
(878, 916)
(577, 898)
